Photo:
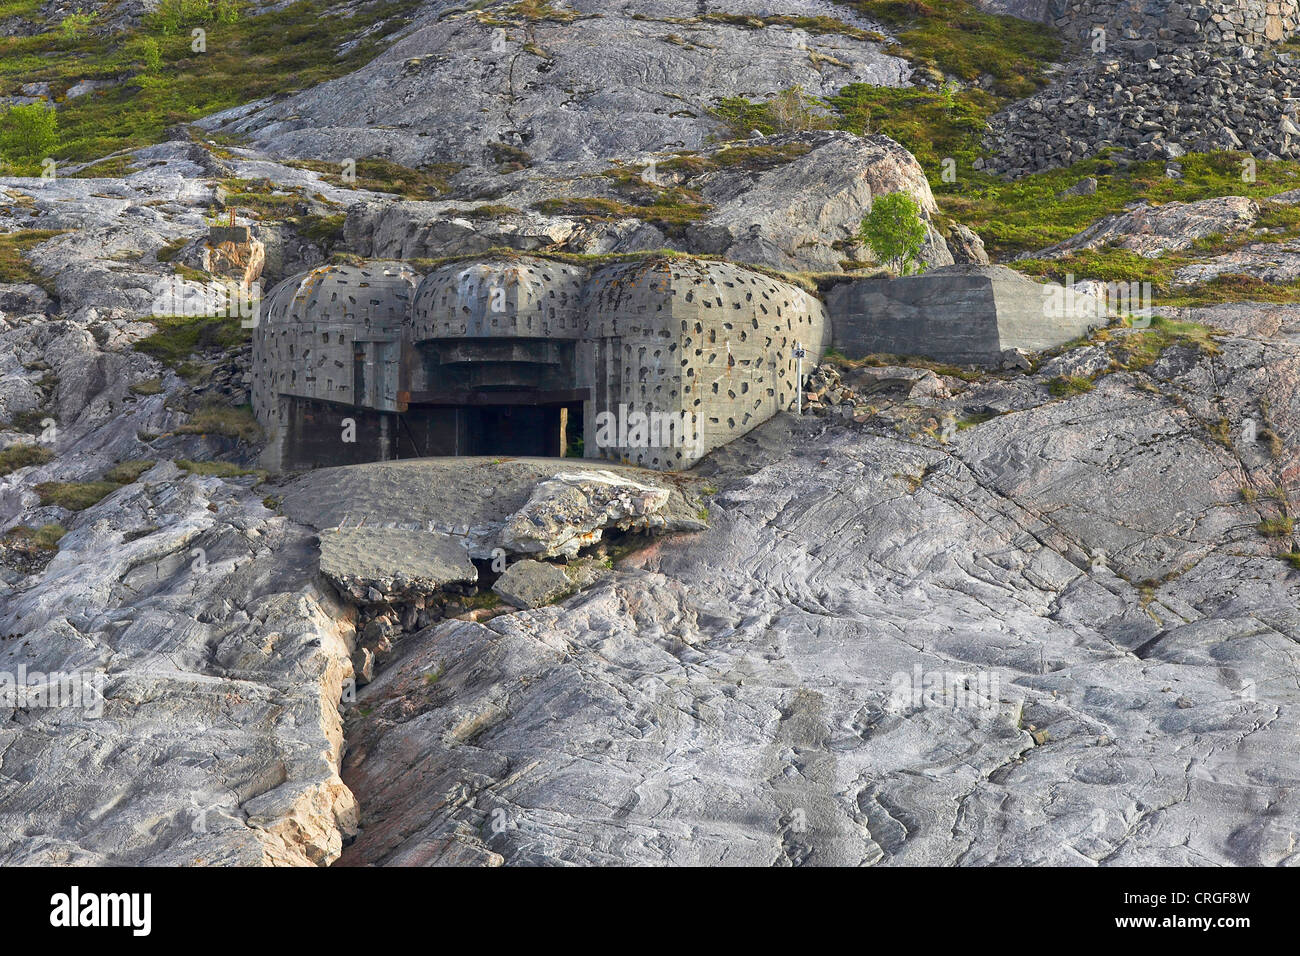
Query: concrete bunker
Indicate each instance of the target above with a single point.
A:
(654, 362)
(966, 315)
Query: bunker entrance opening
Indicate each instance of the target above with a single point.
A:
(492, 426)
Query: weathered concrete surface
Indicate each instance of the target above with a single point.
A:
(390, 565)
(675, 357)
(962, 314)
(471, 499)
(530, 583)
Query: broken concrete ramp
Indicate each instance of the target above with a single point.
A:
(388, 565)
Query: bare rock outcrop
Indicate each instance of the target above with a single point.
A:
(1151, 231)
(792, 202)
(215, 665)
(581, 81)
(573, 511)
(805, 215)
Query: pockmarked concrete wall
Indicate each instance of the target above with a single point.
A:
(669, 357)
(708, 347)
(966, 315)
(332, 335)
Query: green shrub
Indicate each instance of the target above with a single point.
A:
(789, 111)
(28, 133)
(894, 231)
(76, 25)
(148, 52)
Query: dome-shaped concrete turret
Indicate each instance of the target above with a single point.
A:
(500, 298)
(373, 293)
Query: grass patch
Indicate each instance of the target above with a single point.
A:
(940, 38)
(214, 469)
(1276, 527)
(956, 38)
(150, 386)
(166, 83)
(322, 230)
(44, 538)
(933, 126)
(14, 266)
(1064, 386)
(837, 358)
(815, 25)
(215, 419)
(488, 211)
(789, 111)
(75, 495)
(169, 252)
(1140, 349)
(31, 421)
(114, 167)
(671, 209)
(530, 11)
(180, 337)
(979, 418)
(126, 472)
(1024, 215)
(385, 176)
(23, 456)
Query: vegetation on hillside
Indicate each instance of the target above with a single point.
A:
(158, 77)
(970, 63)
(1030, 213)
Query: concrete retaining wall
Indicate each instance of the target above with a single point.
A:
(966, 315)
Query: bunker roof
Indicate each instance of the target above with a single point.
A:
(376, 292)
